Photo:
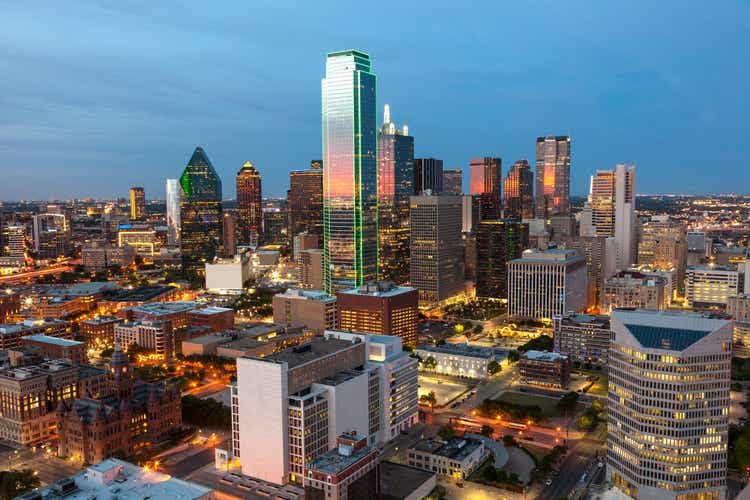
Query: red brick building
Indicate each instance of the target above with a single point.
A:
(349, 471)
(57, 348)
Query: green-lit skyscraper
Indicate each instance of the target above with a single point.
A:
(200, 212)
(350, 170)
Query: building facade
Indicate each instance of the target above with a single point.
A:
(461, 360)
(518, 190)
(551, 369)
(552, 175)
(497, 243)
(453, 181)
(662, 244)
(305, 200)
(428, 176)
(347, 472)
(486, 186)
(312, 309)
(712, 286)
(173, 212)
(249, 205)
(634, 289)
(137, 203)
(582, 337)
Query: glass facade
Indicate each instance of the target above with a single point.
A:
(498, 242)
(486, 185)
(305, 200)
(200, 211)
(552, 176)
(350, 194)
(173, 212)
(249, 205)
(518, 189)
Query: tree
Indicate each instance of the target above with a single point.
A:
(513, 478)
(501, 475)
(509, 440)
(493, 367)
(489, 473)
(597, 406)
(585, 421)
(17, 482)
(446, 433)
(478, 329)
(429, 363)
(428, 399)
(568, 402)
(487, 430)
(513, 356)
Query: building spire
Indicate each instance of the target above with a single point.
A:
(387, 113)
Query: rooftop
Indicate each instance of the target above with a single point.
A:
(297, 293)
(318, 347)
(53, 340)
(560, 255)
(400, 481)
(212, 310)
(585, 319)
(379, 289)
(103, 320)
(455, 449)
(160, 308)
(463, 350)
(140, 294)
(668, 330)
(544, 355)
(340, 458)
(10, 328)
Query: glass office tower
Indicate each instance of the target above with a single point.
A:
(350, 195)
(173, 212)
(200, 212)
(552, 176)
(249, 205)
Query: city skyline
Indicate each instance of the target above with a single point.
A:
(97, 118)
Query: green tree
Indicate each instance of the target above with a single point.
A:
(493, 367)
(513, 356)
(446, 433)
(429, 363)
(568, 402)
(17, 482)
(428, 399)
(509, 440)
(585, 421)
(487, 430)
(489, 473)
(597, 406)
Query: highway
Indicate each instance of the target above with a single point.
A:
(14, 279)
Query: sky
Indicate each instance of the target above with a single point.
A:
(99, 96)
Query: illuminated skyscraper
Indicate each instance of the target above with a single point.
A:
(137, 203)
(612, 200)
(249, 205)
(305, 200)
(395, 178)
(173, 212)
(498, 242)
(453, 181)
(228, 234)
(519, 192)
(552, 176)
(428, 176)
(200, 211)
(350, 169)
(486, 184)
(51, 235)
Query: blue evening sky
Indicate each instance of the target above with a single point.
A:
(98, 96)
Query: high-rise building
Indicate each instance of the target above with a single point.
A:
(635, 290)
(275, 225)
(518, 190)
(436, 267)
(662, 244)
(350, 170)
(542, 284)
(612, 199)
(552, 176)
(173, 212)
(249, 205)
(711, 286)
(428, 176)
(453, 181)
(600, 253)
(313, 309)
(137, 203)
(395, 185)
(200, 212)
(381, 308)
(486, 184)
(310, 269)
(498, 242)
(305, 200)
(668, 408)
(228, 234)
(51, 234)
(583, 337)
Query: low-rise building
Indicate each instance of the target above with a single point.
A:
(98, 256)
(550, 369)
(583, 337)
(401, 482)
(634, 289)
(312, 309)
(347, 472)
(456, 459)
(12, 333)
(57, 348)
(216, 319)
(260, 347)
(460, 359)
(99, 332)
(124, 299)
(228, 276)
(149, 334)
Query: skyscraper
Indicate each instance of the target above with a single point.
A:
(498, 242)
(552, 176)
(228, 234)
(305, 200)
(486, 186)
(662, 244)
(200, 211)
(51, 234)
(173, 212)
(428, 175)
(350, 170)
(137, 203)
(453, 181)
(519, 192)
(249, 205)
(612, 199)
(395, 185)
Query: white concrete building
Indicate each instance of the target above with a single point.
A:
(461, 360)
(228, 275)
(668, 409)
(712, 286)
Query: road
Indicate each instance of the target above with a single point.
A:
(49, 467)
(579, 459)
(17, 278)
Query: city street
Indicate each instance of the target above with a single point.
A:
(49, 467)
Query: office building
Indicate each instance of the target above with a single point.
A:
(544, 283)
(200, 212)
(275, 225)
(518, 191)
(486, 186)
(662, 244)
(634, 289)
(305, 200)
(428, 176)
(454, 459)
(100, 255)
(56, 348)
(462, 360)
(350, 170)
(114, 478)
(497, 243)
(436, 267)
(347, 472)
(668, 408)
(304, 241)
(582, 337)
(137, 203)
(551, 369)
(380, 308)
(173, 212)
(141, 238)
(14, 246)
(453, 182)
(99, 332)
(552, 174)
(249, 205)
(712, 286)
(51, 233)
(310, 269)
(228, 275)
(313, 309)
(228, 234)
(395, 185)
(600, 253)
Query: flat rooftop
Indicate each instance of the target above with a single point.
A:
(140, 294)
(552, 255)
(464, 350)
(669, 330)
(53, 340)
(10, 328)
(400, 481)
(160, 308)
(101, 320)
(380, 289)
(300, 294)
(211, 310)
(544, 355)
(318, 347)
(334, 462)
(586, 319)
(455, 449)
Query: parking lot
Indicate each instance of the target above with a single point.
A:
(445, 390)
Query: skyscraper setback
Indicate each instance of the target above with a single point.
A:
(350, 198)
(395, 185)
(552, 176)
(486, 186)
(305, 200)
(249, 205)
(200, 211)
(519, 192)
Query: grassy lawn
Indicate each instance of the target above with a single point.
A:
(537, 452)
(548, 405)
(600, 386)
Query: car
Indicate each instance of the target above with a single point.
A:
(455, 405)
(548, 482)
(600, 464)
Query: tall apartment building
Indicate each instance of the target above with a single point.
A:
(552, 176)
(582, 337)
(542, 284)
(137, 203)
(310, 269)
(154, 335)
(634, 289)
(497, 243)
(313, 309)
(486, 185)
(662, 244)
(668, 409)
(453, 181)
(518, 191)
(305, 200)
(428, 176)
(712, 286)
(381, 308)
(436, 267)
